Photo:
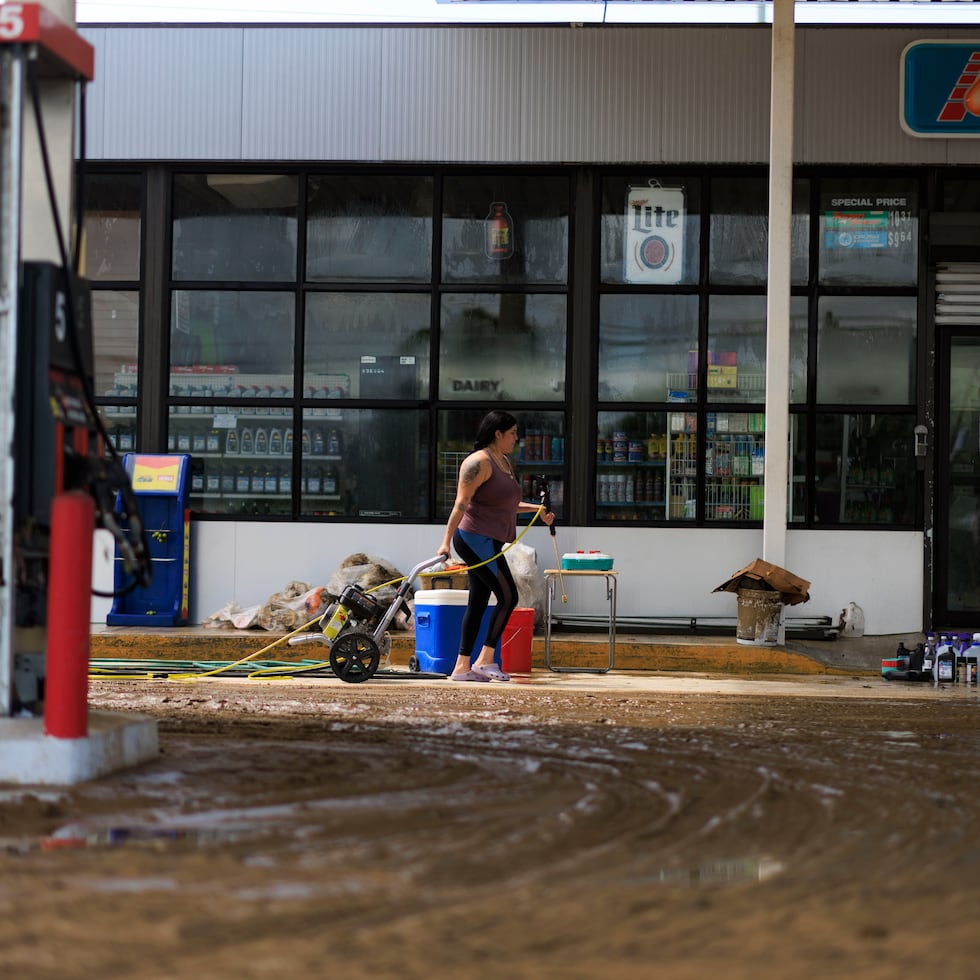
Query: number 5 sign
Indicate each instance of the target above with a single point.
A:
(63, 51)
(12, 22)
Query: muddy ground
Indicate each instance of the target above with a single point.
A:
(414, 829)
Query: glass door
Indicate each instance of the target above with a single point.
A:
(956, 602)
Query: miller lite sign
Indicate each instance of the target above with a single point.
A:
(940, 89)
(653, 251)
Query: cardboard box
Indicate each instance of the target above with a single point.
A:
(763, 574)
(722, 377)
(451, 577)
(725, 358)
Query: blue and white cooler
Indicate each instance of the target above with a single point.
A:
(438, 626)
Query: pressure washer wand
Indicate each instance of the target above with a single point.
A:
(546, 503)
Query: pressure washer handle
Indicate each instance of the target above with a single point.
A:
(546, 503)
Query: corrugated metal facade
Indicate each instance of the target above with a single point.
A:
(496, 94)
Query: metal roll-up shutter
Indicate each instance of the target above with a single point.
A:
(958, 294)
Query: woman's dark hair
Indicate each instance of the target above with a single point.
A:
(493, 422)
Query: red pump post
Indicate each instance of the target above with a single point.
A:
(69, 615)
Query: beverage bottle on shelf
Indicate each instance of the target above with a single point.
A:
(313, 480)
(261, 442)
(287, 442)
(929, 654)
(228, 478)
(231, 443)
(333, 443)
(286, 478)
(247, 443)
(318, 444)
(214, 441)
(258, 480)
(212, 481)
(243, 480)
(271, 479)
(330, 482)
(275, 442)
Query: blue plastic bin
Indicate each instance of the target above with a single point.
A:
(438, 626)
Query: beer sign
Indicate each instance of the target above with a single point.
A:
(653, 251)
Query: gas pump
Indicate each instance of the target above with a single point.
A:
(64, 474)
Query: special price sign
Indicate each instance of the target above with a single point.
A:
(653, 251)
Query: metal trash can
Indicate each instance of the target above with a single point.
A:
(759, 615)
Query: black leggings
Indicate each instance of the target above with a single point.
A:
(482, 582)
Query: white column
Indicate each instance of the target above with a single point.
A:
(779, 280)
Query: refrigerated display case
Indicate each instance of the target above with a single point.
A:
(631, 466)
(734, 466)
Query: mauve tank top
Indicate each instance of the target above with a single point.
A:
(493, 509)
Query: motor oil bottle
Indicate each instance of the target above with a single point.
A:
(945, 665)
(929, 656)
(971, 660)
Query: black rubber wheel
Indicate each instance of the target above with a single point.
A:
(354, 657)
(413, 664)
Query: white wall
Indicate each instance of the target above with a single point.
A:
(663, 572)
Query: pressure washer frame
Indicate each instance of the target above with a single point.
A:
(356, 651)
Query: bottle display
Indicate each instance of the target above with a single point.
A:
(242, 463)
(631, 466)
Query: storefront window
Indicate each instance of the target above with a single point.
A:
(651, 230)
(217, 337)
(869, 232)
(502, 347)
(538, 460)
(234, 227)
(865, 469)
(645, 342)
(115, 335)
(112, 227)
(376, 343)
(369, 228)
(505, 229)
(737, 344)
(739, 248)
(370, 463)
(866, 350)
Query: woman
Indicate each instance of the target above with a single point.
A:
(483, 518)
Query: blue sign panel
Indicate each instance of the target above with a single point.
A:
(941, 89)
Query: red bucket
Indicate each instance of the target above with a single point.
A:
(515, 646)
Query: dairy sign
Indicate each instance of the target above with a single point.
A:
(653, 251)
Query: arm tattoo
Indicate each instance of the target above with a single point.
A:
(470, 471)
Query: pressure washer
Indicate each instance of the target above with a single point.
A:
(355, 649)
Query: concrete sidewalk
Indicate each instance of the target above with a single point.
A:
(633, 651)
